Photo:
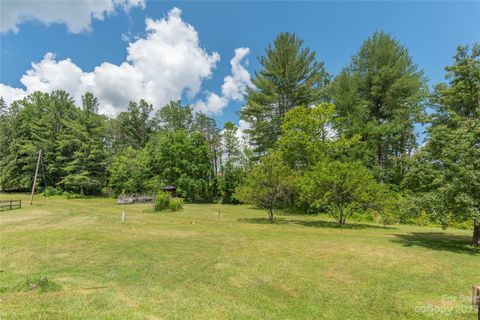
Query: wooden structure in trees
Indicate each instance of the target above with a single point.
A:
(172, 190)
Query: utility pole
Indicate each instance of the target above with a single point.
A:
(35, 177)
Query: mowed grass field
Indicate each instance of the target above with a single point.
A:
(214, 261)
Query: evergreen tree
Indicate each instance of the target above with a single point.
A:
(50, 132)
(95, 126)
(133, 127)
(174, 116)
(41, 123)
(71, 140)
(9, 125)
(380, 97)
(3, 107)
(290, 77)
(82, 143)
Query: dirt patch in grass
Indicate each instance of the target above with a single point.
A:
(290, 290)
(340, 276)
(90, 290)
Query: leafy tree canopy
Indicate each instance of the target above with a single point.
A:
(267, 185)
(445, 173)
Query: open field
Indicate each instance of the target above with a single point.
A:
(225, 262)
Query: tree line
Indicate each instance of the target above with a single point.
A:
(137, 151)
(344, 145)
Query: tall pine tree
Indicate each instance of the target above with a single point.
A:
(291, 76)
(83, 148)
(132, 128)
(380, 97)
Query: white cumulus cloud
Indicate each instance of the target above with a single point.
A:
(213, 105)
(10, 94)
(159, 67)
(234, 85)
(233, 88)
(77, 15)
(50, 74)
(242, 126)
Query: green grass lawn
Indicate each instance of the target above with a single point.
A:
(224, 262)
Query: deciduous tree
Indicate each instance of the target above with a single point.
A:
(232, 172)
(340, 188)
(183, 160)
(267, 184)
(445, 175)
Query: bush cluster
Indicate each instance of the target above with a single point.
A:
(176, 204)
(52, 191)
(164, 202)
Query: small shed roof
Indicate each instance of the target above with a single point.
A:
(169, 188)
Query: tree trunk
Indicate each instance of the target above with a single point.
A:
(476, 234)
(270, 215)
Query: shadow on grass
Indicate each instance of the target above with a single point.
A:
(314, 224)
(438, 241)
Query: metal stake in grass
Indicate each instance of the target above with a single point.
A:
(124, 216)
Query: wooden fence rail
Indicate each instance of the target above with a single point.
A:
(131, 198)
(10, 204)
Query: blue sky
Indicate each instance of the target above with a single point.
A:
(335, 30)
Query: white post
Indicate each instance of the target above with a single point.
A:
(124, 216)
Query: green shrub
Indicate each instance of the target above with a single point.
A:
(176, 204)
(107, 191)
(162, 201)
(52, 191)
